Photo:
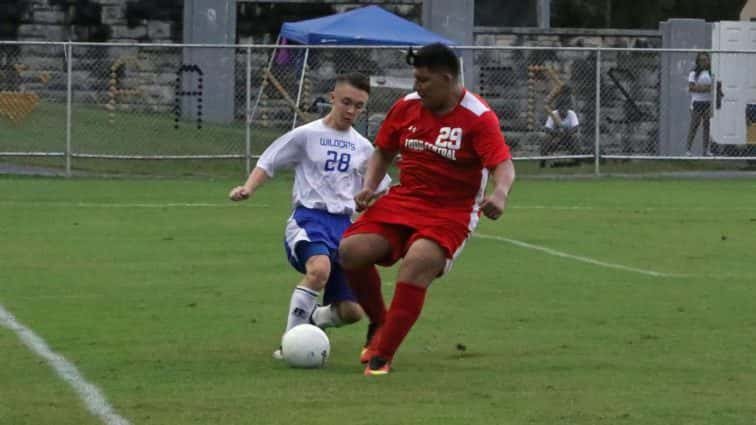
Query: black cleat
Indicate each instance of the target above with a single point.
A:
(377, 366)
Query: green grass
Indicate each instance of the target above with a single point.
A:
(174, 311)
(95, 131)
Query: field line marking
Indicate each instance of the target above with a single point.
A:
(91, 396)
(131, 205)
(577, 257)
(592, 208)
(253, 205)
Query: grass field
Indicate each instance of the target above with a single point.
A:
(590, 302)
(96, 132)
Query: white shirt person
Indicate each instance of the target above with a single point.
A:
(329, 158)
(328, 165)
(700, 82)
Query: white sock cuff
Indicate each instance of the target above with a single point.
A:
(306, 290)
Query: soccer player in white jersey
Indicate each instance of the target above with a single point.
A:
(329, 158)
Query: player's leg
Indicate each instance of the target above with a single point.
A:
(366, 285)
(365, 244)
(424, 261)
(547, 147)
(305, 295)
(311, 241)
(431, 252)
(350, 311)
(340, 305)
(362, 250)
(571, 145)
(358, 254)
(706, 124)
(695, 119)
(312, 259)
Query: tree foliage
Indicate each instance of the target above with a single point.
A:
(639, 14)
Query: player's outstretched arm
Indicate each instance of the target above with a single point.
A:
(256, 178)
(503, 177)
(377, 167)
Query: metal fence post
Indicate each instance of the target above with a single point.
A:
(597, 123)
(248, 114)
(68, 47)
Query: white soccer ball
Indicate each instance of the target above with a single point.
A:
(305, 346)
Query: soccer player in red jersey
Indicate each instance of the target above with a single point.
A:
(450, 143)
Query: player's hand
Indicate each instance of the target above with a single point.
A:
(493, 205)
(239, 193)
(364, 199)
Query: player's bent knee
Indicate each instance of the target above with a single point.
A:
(316, 280)
(318, 269)
(422, 267)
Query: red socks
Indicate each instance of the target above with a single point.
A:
(366, 285)
(405, 309)
(395, 324)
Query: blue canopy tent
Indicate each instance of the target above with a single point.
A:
(369, 25)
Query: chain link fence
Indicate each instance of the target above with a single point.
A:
(198, 109)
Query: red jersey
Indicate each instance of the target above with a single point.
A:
(444, 159)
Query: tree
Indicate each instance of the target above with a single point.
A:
(639, 14)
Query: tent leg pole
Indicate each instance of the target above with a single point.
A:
(264, 81)
(248, 113)
(462, 69)
(301, 84)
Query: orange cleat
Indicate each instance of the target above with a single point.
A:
(366, 354)
(377, 366)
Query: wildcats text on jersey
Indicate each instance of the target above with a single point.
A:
(338, 144)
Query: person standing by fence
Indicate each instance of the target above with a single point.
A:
(700, 81)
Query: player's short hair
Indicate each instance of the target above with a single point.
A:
(436, 57)
(357, 80)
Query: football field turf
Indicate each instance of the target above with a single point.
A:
(589, 302)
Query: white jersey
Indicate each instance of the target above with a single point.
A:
(570, 121)
(329, 165)
(704, 78)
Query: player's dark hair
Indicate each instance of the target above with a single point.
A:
(355, 79)
(436, 57)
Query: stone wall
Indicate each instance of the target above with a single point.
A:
(41, 69)
(518, 95)
(502, 76)
(100, 20)
(142, 78)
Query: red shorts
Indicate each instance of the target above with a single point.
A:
(450, 235)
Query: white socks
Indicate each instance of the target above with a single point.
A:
(303, 301)
(326, 316)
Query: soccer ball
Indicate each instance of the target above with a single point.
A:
(305, 346)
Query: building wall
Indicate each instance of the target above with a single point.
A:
(100, 20)
(749, 11)
(151, 20)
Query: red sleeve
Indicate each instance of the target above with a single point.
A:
(388, 135)
(489, 142)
